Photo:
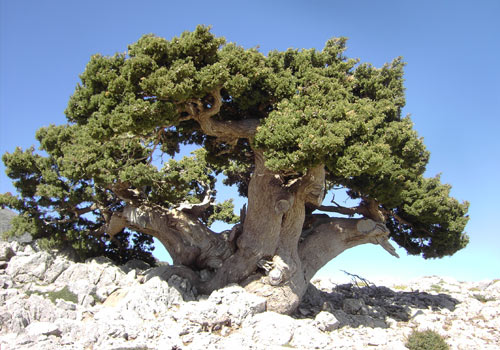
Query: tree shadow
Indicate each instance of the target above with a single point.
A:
(370, 306)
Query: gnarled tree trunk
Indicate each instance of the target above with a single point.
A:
(278, 247)
(275, 254)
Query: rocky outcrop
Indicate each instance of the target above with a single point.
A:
(48, 301)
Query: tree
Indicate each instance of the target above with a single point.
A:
(284, 128)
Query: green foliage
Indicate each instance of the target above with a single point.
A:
(400, 287)
(314, 107)
(438, 288)
(426, 340)
(483, 299)
(64, 294)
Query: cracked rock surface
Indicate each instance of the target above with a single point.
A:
(48, 301)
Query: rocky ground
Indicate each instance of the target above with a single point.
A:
(47, 301)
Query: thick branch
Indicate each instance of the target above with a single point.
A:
(203, 111)
(368, 208)
(340, 210)
(188, 241)
(335, 235)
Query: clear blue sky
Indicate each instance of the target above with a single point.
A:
(452, 79)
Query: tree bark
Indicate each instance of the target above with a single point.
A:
(332, 236)
(188, 241)
(276, 252)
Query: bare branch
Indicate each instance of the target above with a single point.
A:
(85, 210)
(369, 208)
(197, 209)
(355, 278)
(340, 210)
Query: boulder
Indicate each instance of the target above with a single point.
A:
(307, 336)
(29, 268)
(23, 239)
(37, 328)
(92, 281)
(6, 252)
(146, 301)
(136, 264)
(6, 217)
(326, 322)
(270, 328)
(226, 307)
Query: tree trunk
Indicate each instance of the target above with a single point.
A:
(275, 255)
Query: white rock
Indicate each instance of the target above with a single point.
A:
(6, 252)
(377, 337)
(270, 328)
(42, 328)
(55, 268)
(29, 268)
(226, 307)
(149, 300)
(159, 314)
(325, 321)
(306, 336)
(395, 345)
(494, 287)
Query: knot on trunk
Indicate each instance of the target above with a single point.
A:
(284, 202)
(277, 270)
(282, 206)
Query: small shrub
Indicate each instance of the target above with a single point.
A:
(426, 340)
(482, 298)
(436, 288)
(64, 294)
(400, 287)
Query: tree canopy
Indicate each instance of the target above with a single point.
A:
(298, 109)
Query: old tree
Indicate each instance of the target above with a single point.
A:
(284, 128)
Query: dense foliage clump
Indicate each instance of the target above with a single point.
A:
(426, 340)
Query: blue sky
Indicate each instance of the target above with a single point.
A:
(452, 50)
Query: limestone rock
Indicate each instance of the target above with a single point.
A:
(137, 264)
(307, 336)
(354, 306)
(29, 268)
(133, 307)
(270, 328)
(6, 252)
(42, 328)
(93, 280)
(224, 308)
(146, 301)
(326, 321)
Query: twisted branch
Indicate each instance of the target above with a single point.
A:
(202, 111)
